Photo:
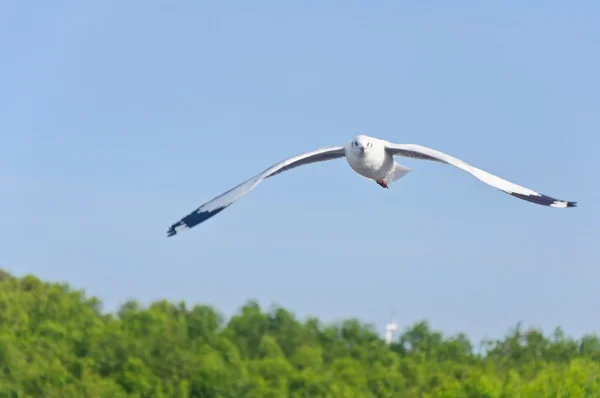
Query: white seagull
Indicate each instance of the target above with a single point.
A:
(370, 157)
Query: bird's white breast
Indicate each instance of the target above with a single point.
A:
(375, 163)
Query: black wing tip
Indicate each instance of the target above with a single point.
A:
(544, 200)
(191, 220)
(177, 228)
(172, 231)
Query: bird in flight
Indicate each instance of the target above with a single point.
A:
(370, 157)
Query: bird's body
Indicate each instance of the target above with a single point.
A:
(371, 158)
(367, 156)
(373, 162)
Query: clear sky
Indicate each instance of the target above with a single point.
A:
(118, 118)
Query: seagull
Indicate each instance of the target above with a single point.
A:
(370, 157)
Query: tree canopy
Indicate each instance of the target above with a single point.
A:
(56, 342)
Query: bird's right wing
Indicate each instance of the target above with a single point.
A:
(221, 202)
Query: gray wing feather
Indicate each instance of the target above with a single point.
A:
(424, 153)
(221, 202)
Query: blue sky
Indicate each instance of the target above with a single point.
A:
(116, 117)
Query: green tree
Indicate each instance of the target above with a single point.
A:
(56, 342)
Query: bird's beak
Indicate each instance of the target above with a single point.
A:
(362, 149)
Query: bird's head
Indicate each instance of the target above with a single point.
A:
(361, 144)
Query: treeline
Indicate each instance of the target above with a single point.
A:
(56, 342)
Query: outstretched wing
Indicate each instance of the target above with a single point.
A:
(421, 152)
(224, 200)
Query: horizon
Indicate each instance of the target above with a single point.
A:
(401, 328)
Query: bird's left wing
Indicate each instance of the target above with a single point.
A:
(221, 202)
(421, 152)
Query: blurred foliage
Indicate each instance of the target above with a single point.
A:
(55, 342)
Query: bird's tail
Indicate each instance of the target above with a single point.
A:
(398, 172)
